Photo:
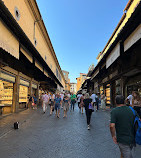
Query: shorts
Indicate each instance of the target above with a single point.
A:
(57, 106)
(126, 150)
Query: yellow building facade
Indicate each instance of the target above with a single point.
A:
(27, 58)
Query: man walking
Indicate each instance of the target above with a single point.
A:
(93, 97)
(45, 99)
(73, 100)
(122, 127)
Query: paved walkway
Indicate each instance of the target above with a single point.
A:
(44, 136)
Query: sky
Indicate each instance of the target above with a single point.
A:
(79, 30)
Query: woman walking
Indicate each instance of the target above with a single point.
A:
(136, 102)
(88, 108)
(81, 103)
(66, 105)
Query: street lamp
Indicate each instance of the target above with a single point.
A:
(34, 27)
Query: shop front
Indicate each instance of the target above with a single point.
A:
(6, 92)
(133, 84)
(23, 93)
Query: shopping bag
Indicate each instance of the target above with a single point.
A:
(91, 107)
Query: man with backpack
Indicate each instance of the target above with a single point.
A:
(122, 127)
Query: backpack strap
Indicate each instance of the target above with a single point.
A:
(133, 110)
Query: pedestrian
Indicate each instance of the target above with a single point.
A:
(93, 97)
(88, 102)
(52, 100)
(81, 103)
(62, 97)
(122, 127)
(129, 99)
(73, 100)
(57, 105)
(29, 101)
(34, 101)
(78, 100)
(66, 105)
(103, 102)
(136, 103)
(45, 99)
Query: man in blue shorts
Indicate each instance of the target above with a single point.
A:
(57, 105)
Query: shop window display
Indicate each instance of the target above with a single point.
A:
(6, 93)
(108, 100)
(23, 96)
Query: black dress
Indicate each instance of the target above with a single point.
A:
(88, 112)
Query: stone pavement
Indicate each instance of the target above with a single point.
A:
(44, 136)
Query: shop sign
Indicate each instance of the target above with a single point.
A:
(105, 80)
(34, 86)
(133, 38)
(7, 77)
(23, 82)
(113, 55)
(95, 73)
(113, 74)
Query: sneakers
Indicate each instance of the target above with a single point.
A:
(88, 127)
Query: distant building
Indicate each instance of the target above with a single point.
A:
(80, 80)
(67, 81)
(73, 88)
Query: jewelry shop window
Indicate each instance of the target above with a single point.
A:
(6, 92)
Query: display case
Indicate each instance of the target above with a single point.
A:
(6, 93)
(108, 98)
(23, 94)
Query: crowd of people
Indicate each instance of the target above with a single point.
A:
(122, 117)
(86, 103)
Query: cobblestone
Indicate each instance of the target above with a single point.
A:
(44, 136)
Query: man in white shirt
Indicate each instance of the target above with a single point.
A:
(45, 99)
(129, 98)
(62, 97)
(93, 97)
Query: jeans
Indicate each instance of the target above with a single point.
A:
(88, 115)
(72, 104)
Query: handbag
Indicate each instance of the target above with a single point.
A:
(91, 107)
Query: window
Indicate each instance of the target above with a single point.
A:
(56, 72)
(51, 66)
(17, 13)
(35, 41)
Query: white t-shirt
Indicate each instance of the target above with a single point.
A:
(45, 98)
(130, 97)
(93, 97)
(62, 96)
(69, 95)
(79, 96)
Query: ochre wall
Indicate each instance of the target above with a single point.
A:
(78, 83)
(26, 22)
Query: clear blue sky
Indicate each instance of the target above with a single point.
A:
(79, 30)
